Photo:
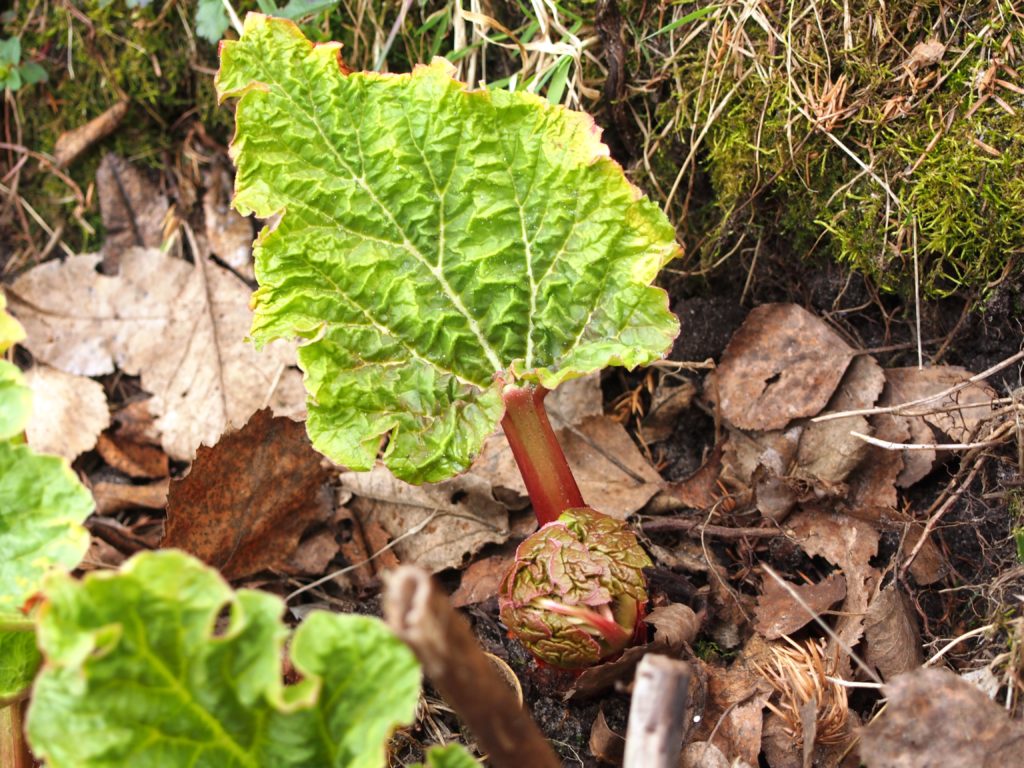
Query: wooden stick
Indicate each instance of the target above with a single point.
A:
(420, 614)
(654, 736)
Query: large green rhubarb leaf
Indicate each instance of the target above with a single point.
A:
(436, 244)
(139, 671)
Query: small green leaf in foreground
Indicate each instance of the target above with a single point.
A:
(140, 672)
(450, 756)
(436, 244)
(42, 506)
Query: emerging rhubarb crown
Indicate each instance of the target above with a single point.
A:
(576, 591)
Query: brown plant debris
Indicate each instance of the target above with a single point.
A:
(248, 499)
(935, 718)
(782, 364)
(779, 613)
(891, 636)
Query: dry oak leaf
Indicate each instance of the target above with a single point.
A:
(182, 327)
(247, 500)
(782, 364)
(452, 519)
(779, 613)
(935, 718)
(68, 412)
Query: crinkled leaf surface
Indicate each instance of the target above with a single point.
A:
(432, 238)
(136, 674)
(19, 660)
(42, 506)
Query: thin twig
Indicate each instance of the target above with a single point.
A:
(901, 408)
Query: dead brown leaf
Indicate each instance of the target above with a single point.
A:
(849, 544)
(183, 333)
(458, 516)
(934, 718)
(115, 497)
(134, 459)
(667, 403)
(891, 635)
(925, 54)
(248, 499)
(734, 710)
(132, 208)
(605, 744)
(872, 486)
(313, 554)
(779, 613)
(675, 627)
(828, 452)
(481, 579)
(958, 415)
(68, 412)
(700, 490)
(782, 364)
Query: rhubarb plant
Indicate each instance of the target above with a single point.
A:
(448, 255)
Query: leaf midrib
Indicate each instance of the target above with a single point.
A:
(492, 357)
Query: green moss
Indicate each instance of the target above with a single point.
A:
(769, 165)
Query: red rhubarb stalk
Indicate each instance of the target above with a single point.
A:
(549, 481)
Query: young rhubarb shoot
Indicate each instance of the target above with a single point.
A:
(448, 255)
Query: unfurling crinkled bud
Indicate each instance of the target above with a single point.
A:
(576, 590)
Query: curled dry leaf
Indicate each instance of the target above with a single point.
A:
(782, 364)
(466, 517)
(891, 634)
(111, 498)
(184, 333)
(849, 544)
(828, 452)
(134, 459)
(779, 613)
(605, 744)
(934, 718)
(68, 412)
(248, 499)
